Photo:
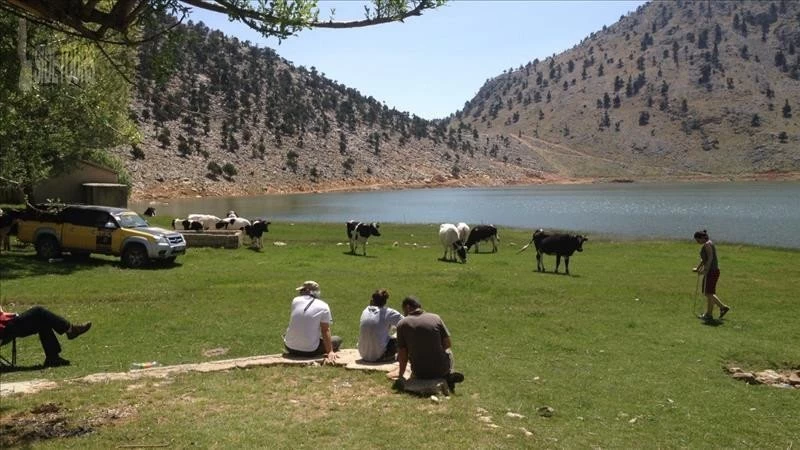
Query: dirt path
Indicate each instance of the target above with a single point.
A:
(347, 358)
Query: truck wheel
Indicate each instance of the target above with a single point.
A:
(47, 247)
(134, 256)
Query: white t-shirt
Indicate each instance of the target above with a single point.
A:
(303, 333)
(374, 331)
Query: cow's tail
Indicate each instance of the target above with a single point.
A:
(525, 247)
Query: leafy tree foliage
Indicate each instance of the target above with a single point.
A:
(47, 129)
(96, 20)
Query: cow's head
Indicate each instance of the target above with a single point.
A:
(461, 251)
(373, 228)
(580, 240)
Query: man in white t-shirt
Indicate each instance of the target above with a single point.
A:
(309, 332)
(377, 320)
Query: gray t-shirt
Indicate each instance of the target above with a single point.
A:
(376, 323)
(421, 334)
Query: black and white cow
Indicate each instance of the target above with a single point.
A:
(150, 211)
(255, 230)
(187, 225)
(232, 223)
(558, 244)
(480, 233)
(453, 245)
(359, 233)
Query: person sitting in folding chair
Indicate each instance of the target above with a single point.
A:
(40, 320)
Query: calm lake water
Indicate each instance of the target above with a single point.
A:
(763, 213)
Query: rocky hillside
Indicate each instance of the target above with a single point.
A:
(229, 118)
(673, 89)
(676, 88)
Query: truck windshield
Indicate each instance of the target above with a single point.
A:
(130, 220)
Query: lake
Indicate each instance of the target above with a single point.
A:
(762, 213)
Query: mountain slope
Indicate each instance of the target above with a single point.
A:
(233, 119)
(675, 88)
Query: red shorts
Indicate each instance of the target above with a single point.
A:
(710, 282)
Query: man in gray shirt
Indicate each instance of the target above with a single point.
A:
(424, 340)
(374, 340)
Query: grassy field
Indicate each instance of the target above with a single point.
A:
(614, 348)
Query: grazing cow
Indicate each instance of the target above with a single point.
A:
(150, 212)
(255, 231)
(558, 244)
(186, 224)
(480, 233)
(463, 231)
(209, 221)
(448, 235)
(359, 233)
(232, 223)
(8, 227)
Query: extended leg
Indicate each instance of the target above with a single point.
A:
(39, 320)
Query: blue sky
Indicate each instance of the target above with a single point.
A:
(430, 65)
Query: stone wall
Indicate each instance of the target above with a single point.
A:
(213, 238)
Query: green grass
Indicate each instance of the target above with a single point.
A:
(614, 342)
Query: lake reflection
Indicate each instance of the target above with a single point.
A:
(763, 213)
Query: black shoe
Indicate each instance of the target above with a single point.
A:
(722, 311)
(77, 330)
(705, 317)
(56, 362)
(453, 378)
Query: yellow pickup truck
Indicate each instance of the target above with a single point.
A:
(84, 229)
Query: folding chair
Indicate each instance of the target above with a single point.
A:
(13, 361)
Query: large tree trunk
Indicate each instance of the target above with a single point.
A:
(24, 65)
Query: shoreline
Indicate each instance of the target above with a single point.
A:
(155, 196)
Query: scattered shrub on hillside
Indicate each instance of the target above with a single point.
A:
(783, 137)
(183, 147)
(163, 138)
(291, 160)
(136, 152)
(644, 118)
(348, 165)
(229, 170)
(214, 169)
(787, 110)
(755, 122)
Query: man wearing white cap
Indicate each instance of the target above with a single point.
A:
(309, 332)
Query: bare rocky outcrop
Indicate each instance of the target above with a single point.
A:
(783, 378)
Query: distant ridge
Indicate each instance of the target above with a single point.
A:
(675, 89)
